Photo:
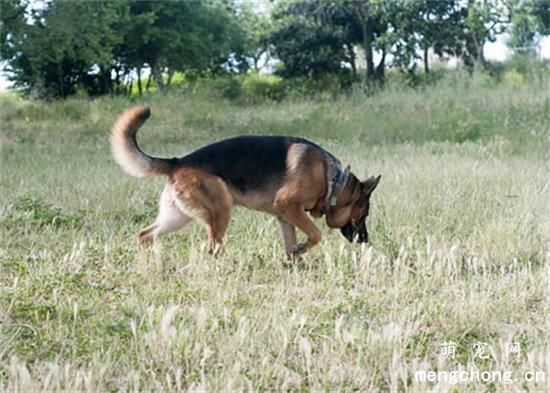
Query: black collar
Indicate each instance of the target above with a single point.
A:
(337, 183)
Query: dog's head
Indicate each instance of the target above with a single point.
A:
(356, 227)
(351, 218)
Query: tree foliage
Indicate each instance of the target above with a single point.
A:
(53, 55)
(255, 43)
(81, 44)
(529, 20)
(404, 29)
(305, 43)
(427, 24)
(104, 46)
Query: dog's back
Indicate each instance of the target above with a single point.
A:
(246, 163)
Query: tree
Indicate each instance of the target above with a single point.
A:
(12, 23)
(328, 32)
(65, 45)
(132, 53)
(369, 16)
(370, 24)
(61, 45)
(427, 24)
(541, 12)
(528, 17)
(187, 36)
(483, 21)
(256, 28)
(304, 41)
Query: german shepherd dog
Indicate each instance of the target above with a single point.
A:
(290, 178)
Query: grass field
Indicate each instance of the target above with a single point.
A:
(460, 231)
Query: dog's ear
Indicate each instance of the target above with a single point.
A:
(370, 184)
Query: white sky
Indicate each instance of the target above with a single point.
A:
(493, 51)
(499, 51)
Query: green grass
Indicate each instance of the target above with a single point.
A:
(460, 228)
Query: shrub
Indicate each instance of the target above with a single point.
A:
(257, 87)
(513, 78)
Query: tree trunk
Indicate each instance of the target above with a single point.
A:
(352, 59)
(381, 68)
(106, 84)
(109, 81)
(117, 80)
(258, 64)
(367, 45)
(170, 76)
(367, 36)
(157, 75)
(60, 80)
(480, 61)
(426, 62)
(140, 90)
(149, 80)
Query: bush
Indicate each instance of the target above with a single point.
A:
(326, 86)
(513, 78)
(257, 87)
(12, 105)
(521, 68)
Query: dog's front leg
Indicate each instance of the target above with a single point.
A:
(295, 215)
(288, 233)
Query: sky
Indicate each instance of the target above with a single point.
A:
(499, 51)
(493, 51)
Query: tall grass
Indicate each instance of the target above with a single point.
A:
(460, 229)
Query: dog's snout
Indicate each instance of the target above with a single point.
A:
(362, 234)
(355, 232)
(348, 231)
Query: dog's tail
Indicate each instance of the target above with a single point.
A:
(126, 150)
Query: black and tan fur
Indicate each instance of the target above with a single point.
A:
(283, 176)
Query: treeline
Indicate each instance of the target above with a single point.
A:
(58, 47)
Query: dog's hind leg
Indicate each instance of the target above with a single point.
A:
(216, 228)
(288, 233)
(207, 199)
(169, 219)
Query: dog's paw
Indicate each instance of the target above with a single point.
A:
(298, 249)
(216, 251)
(144, 243)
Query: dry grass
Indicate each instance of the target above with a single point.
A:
(460, 227)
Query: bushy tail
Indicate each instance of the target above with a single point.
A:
(126, 150)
